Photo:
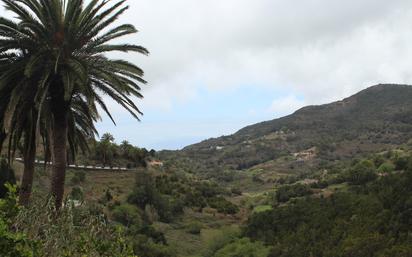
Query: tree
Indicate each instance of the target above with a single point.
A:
(106, 148)
(126, 149)
(362, 173)
(67, 42)
(19, 118)
(107, 137)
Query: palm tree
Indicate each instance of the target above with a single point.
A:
(125, 149)
(106, 149)
(67, 42)
(18, 116)
(22, 125)
(20, 119)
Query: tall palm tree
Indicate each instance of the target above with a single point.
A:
(67, 42)
(22, 126)
(18, 115)
(20, 119)
(106, 149)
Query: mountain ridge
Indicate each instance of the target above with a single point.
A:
(376, 118)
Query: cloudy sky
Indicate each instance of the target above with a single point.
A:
(218, 65)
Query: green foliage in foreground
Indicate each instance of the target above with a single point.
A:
(6, 176)
(227, 243)
(243, 247)
(371, 220)
(386, 167)
(38, 231)
(12, 243)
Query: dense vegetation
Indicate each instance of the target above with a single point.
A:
(372, 218)
(163, 198)
(37, 231)
(106, 152)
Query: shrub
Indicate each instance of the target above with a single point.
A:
(409, 168)
(236, 191)
(401, 162)
(145, 247)
(195, 199)
(361, 173)
(12, 243)
(243, 247)
(386, 167)
(6, 176)
(107, 196)
(284, 193)
(194, 228)
(222, 205)
(156, 236)
(144, 191)
(73, 232)
(321, 184)
(177, 206)
(127, 215)
(222, 237)
(37, 231)
(78, 177)
(77, 193)
(378, 160)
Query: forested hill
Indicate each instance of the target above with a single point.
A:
(377, 118)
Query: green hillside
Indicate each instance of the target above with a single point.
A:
(372, 120)
(329, 180)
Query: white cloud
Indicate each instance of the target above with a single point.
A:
(323, 49)
(285, 106)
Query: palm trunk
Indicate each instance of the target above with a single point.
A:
(59, 156)
(29, 155)
(3, 137)
(28, 173)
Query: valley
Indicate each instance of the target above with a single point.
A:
(214, 197)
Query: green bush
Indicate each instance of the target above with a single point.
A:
(144, 192)
(12, 243)
(401, 162)
(236, 191)
(6, 176)
(243, 247)
(77, 194)
(386, 167)
(222, 205)
(284, 193)
(223, 237)
(361, 173)
(74, 231)
(127, 215)
(320, 184)
(78, 177)
(143, 246)
(195, 199)
(194, 228)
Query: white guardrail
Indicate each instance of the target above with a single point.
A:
(81, 167)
